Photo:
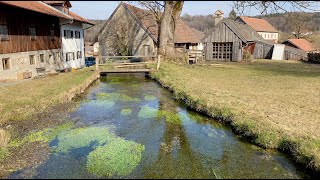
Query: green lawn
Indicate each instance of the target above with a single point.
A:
(19, 101)
(275, 102)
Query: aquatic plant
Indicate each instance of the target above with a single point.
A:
(117, 158)
(82, 137)
(169, 117)
(101, 103)
(149, 97)
(116, 97)
(45, 135)
(148, 112)
(126, 112)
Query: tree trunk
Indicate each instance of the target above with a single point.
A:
(171, 14)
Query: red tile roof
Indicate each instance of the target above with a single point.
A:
(79, 18)
(183, 33)
(37, 6)
(302, 44)
(259, 25)
(58, 2)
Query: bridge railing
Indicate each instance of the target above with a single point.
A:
(118, 60)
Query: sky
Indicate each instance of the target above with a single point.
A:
(103, 9)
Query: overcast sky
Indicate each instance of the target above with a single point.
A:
(103, 9)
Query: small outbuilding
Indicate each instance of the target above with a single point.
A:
(302, 44)
(229, 40)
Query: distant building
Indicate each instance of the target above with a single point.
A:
(231, 40)
(262, 27)
(302, 44)
(141, 31)
(72, 35)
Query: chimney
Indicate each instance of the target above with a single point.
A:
(218, 17)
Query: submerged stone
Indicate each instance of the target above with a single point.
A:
(118, 158)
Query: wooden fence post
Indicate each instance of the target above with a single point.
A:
(97, 62)
(158, 63)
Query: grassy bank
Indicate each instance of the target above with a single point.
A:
(20, 101)
(274, 103)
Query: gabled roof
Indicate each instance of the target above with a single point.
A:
(183, 33)
(302, 44)
(58, 2)
(198, 33)
(37, 6)
(243, 31)
(259, 25)
(218, 12)
(79, 18)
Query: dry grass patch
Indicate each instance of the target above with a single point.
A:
(20, 101)
(275, 102)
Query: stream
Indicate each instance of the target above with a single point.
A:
(128, 126)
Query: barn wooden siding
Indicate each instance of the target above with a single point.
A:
(263, 51)
(18, 22)
(220, 35)
(291, 53)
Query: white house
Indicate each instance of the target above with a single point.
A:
(72, 36)
(262, 27)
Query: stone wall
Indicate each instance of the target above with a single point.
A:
(124, 32)
(20, 62)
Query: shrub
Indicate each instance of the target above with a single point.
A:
(314, 57)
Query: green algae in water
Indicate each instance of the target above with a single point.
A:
(170, 117)
(82, 137)
(118, 158)
(149, 97)
(126, 112)
(101, 103)
(116, 97)
(147, 112)
(45, 135)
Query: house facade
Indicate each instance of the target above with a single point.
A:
(134, 31)
(72, 36)
(262, 27)
(29, 38)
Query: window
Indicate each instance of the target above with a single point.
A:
(222, 51)
(68, 34)
(41, 58)
(77, 34)
(32, 61)
(4, 33)
(65, 33)
(69, 56)
(52, 34)
(79, 54)
(57, 57)
(32, 31)
(48, 60)
(5, 63)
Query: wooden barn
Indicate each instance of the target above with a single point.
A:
(230, 40)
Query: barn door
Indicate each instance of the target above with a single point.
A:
(222, 51)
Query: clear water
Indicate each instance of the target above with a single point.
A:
(177, 142)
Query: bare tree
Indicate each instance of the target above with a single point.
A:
(298, 23)
(267, 7)
(166, 14)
